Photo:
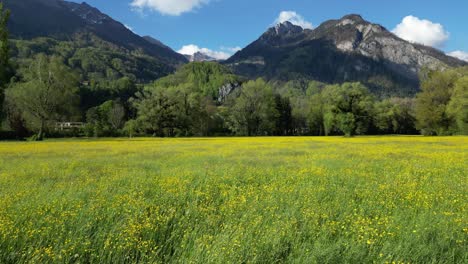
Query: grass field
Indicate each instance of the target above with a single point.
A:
(235, 200)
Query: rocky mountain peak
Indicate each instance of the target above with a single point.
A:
(353, 17)
(199, 56)
(282, 34)
(286, 28)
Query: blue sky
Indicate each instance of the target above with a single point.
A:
(221, 25)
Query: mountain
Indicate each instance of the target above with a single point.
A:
(155, 42)
(348, 49)
(199, 57)
(196, 57)
(62, 20)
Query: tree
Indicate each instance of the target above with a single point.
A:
(106, 119)
(457, 108)
(395, 116)
(131, 128)
(116, 115)
(431, 103)
(316, 114)
(348, 108)
(284, 121)
(254, 113)
(156, 112)
(14, 119)
(5, 67)
(48, 93)
(299, 93)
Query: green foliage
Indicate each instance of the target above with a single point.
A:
(347, 108)
(205, 78)
(175, 111)
(284, 120)
(254, 113)
(47, 93)
(156, 113)
(432, 103)
(14, 118)
(457, 108)
(131, 128)
(106, 119)
(184, 103)
(105, 71)
(5, 67)
(95, 59)
(316, 114)
(395, 116)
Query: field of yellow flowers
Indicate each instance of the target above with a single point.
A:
(235, 200)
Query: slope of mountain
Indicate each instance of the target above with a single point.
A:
(348, 49)
(155, 42)
(62, 20)
(199, 57)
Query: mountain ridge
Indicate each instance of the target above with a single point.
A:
(346, 49)
(61, 20)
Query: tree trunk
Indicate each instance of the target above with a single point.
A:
(40, 135)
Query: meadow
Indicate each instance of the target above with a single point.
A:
(235, 200)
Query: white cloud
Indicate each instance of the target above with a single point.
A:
(294, 18)
(462, 55)
(169, 7)
(192, 49)
(422, 31)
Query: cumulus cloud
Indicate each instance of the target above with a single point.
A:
(219, 55)
(462, 55)
(168, 7)
(294, 18)
(422, 31)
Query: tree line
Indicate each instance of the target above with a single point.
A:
(206, 99)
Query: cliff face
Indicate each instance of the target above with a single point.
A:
(355, 35)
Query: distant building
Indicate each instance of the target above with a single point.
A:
(65, 126)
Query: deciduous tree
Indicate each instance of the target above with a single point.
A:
(458, 105)
(431, 103)
(348, 108)
(254, 112)
(48, 93)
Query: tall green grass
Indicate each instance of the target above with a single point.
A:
(239, 200)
